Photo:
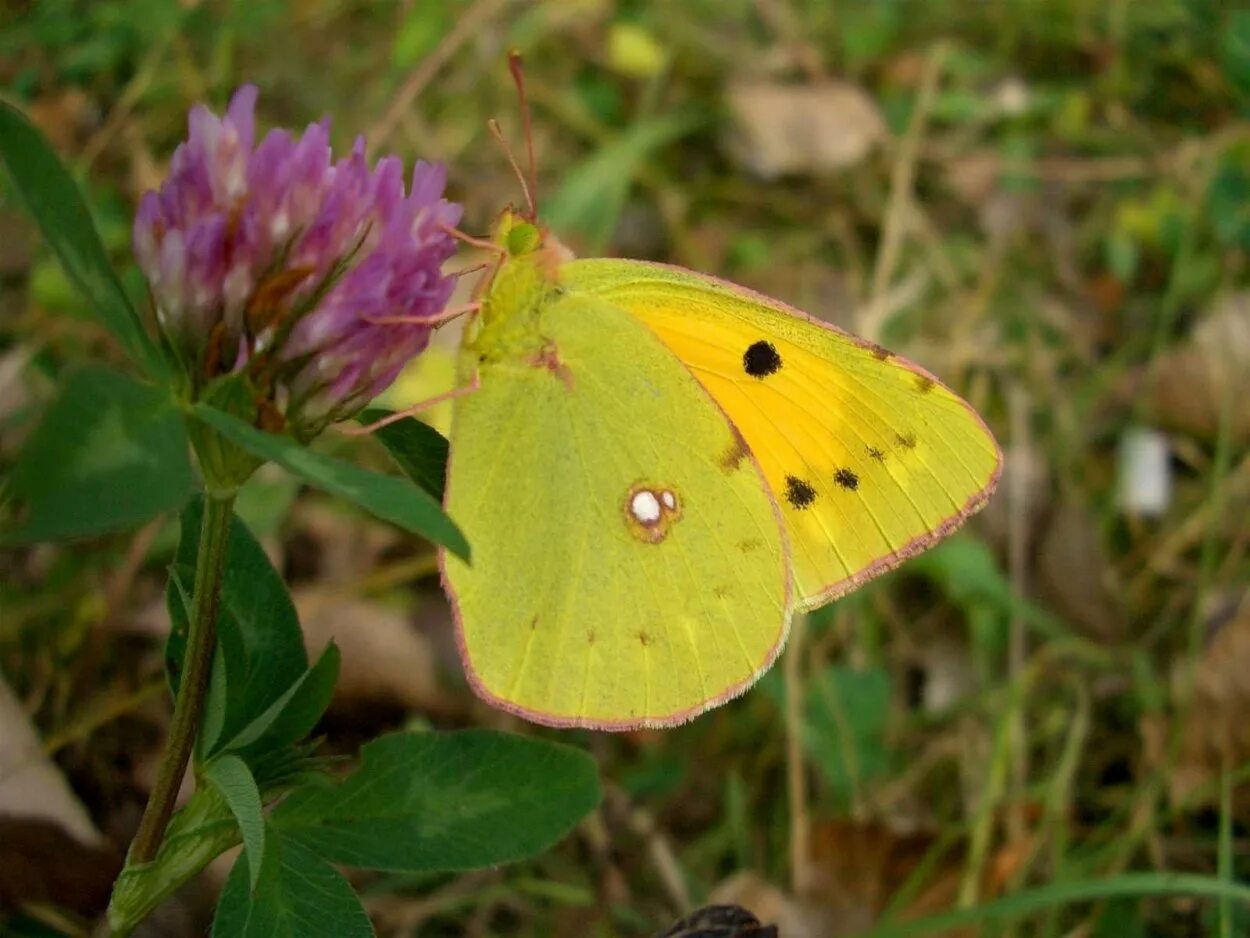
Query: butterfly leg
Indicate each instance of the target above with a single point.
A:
(447, 315)
(500, 255)
(414, 409)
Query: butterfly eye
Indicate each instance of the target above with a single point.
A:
(523, 239)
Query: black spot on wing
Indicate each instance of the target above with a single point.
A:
(761, 360)
(905, 440)
(875, 453)
(924, 384)
(847, 479)
(800, 494)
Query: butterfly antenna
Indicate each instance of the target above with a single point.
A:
(517, 67)
(493, 125)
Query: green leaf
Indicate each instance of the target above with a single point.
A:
(1236, 51)
(589, 202)
(58, 207)
(420, 29)
(389, 498)
(298, 894)
(966, 570)
(445, 801)
(844, 730)
(233, 780)
(293, 715)
(109, 454)
(260, 642)
(418, 449)
(1228, 202)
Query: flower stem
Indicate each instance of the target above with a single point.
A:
(197, 663)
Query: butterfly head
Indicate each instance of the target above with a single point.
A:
(517, 234)
(523, 237)
(529, 272)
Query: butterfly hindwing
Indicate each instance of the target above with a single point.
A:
(870, 457)
(629, 566)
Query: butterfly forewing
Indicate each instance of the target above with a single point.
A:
(870, 458)
(629, 566)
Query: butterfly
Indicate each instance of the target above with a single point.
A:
(657, 469)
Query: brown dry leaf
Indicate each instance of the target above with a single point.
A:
(386, 658)
(18, 238)
(857, 866)
(63, 116)
(974, 177)
(1196, 382)
(1213, 728)
(1072, 571)
(855, 869)
(31, 786)
(16, 391)
(50, 850)
(781, 129)
(42, 864)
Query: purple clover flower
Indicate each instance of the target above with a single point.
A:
(321, 279)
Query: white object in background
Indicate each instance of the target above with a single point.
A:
(30, 783)
(1145, 473)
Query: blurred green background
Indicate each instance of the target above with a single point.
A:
(1045, 203)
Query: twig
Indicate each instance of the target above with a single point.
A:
(1186, 535)
(903, 174)
(148, 69)
(871, 317)
(1017, 650)
(473, 19)
(796, 778)
(778, 16)
(663, 859)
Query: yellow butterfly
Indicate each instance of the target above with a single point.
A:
(657, 468)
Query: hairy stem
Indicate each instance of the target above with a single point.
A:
(210, 563)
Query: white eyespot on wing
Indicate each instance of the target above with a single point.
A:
(650, 510)
(645, 507)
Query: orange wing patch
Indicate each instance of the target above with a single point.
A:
(870, 457)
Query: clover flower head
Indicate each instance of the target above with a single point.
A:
(320, 278)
